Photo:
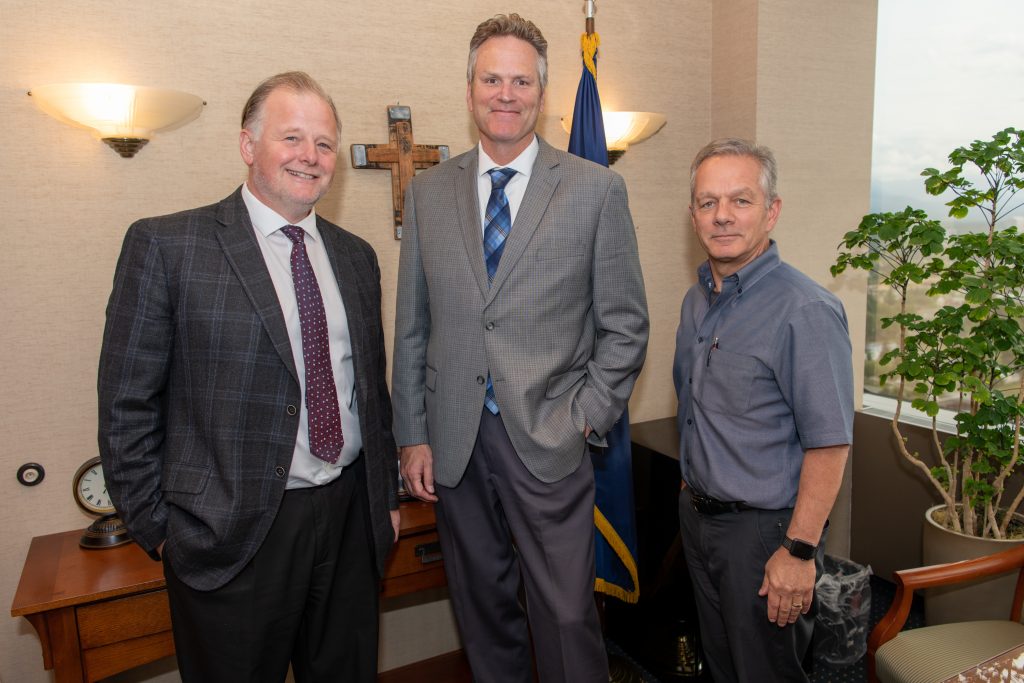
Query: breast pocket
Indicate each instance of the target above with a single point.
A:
(727, 381)
(547, 253)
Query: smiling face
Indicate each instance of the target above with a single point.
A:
(291, 149)
(505, 96)
(730, 216)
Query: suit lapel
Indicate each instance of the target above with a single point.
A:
(469, 216)
(349, 275)
(238, 241)
(543, 181)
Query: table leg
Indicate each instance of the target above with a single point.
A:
(67, 652)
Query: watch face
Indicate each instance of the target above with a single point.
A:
(90, 489)
(799, 549)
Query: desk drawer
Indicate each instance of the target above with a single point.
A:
(120, 619)
(414, 553)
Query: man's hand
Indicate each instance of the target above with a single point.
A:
(789, 585)
(396, 522)
(417, 469)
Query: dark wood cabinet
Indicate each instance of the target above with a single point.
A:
(660, 631)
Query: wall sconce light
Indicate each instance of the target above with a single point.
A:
(123, 116)
(624, 128)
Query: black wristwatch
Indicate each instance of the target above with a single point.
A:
(801, 550)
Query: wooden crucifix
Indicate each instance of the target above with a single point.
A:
(400, 156)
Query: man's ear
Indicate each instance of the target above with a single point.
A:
(774, 210)
(246, 142)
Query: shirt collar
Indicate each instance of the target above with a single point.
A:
(266, 220)
(745, 276)
(523, 164)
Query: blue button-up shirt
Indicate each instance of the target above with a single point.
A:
(763, 372)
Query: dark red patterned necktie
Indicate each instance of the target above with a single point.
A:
(325, 437)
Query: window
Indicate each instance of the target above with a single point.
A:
(947, 72)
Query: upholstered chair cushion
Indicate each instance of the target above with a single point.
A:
(935, 653)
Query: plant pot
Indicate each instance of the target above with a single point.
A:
(974, 601)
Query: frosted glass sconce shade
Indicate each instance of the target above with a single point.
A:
(624, 128)
(123, 116)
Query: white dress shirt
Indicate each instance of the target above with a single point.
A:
(306, 469)
(516, 186)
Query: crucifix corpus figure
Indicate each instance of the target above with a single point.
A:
(400, 156)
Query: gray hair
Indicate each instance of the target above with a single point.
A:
(297, 82)
(517, 27)
(738, 147)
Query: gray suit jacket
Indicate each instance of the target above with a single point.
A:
(198, 393)
(562, 329)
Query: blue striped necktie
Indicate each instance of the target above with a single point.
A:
(497, 225)
(497, 219)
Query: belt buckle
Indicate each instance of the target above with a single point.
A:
(706, 505)
(702, 503)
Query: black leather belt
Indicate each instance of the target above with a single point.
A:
(706, 505)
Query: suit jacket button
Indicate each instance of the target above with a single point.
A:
(489, 326)
(291, 410)
(279, 471)
(480, 379)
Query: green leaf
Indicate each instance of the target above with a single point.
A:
(978, 295)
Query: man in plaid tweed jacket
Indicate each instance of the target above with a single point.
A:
(272, 556)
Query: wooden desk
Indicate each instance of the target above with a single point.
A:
(415, 563)
(100, 612)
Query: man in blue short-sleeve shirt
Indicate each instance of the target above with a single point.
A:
(765, 384)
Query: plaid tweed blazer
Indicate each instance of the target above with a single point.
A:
(198, 391)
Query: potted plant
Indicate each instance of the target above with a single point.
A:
(965, 352)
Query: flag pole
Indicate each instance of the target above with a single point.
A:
(614, 513)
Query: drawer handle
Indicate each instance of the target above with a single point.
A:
(429, 552)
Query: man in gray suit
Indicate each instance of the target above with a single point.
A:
(244, 418)
(521, 327)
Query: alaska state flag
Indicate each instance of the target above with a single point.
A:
(614, 518)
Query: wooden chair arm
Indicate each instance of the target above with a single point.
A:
(909, 580)
(955, 572)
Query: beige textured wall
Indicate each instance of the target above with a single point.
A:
(734, 74)
(66, 199)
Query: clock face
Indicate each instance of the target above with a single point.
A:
(90, 489)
